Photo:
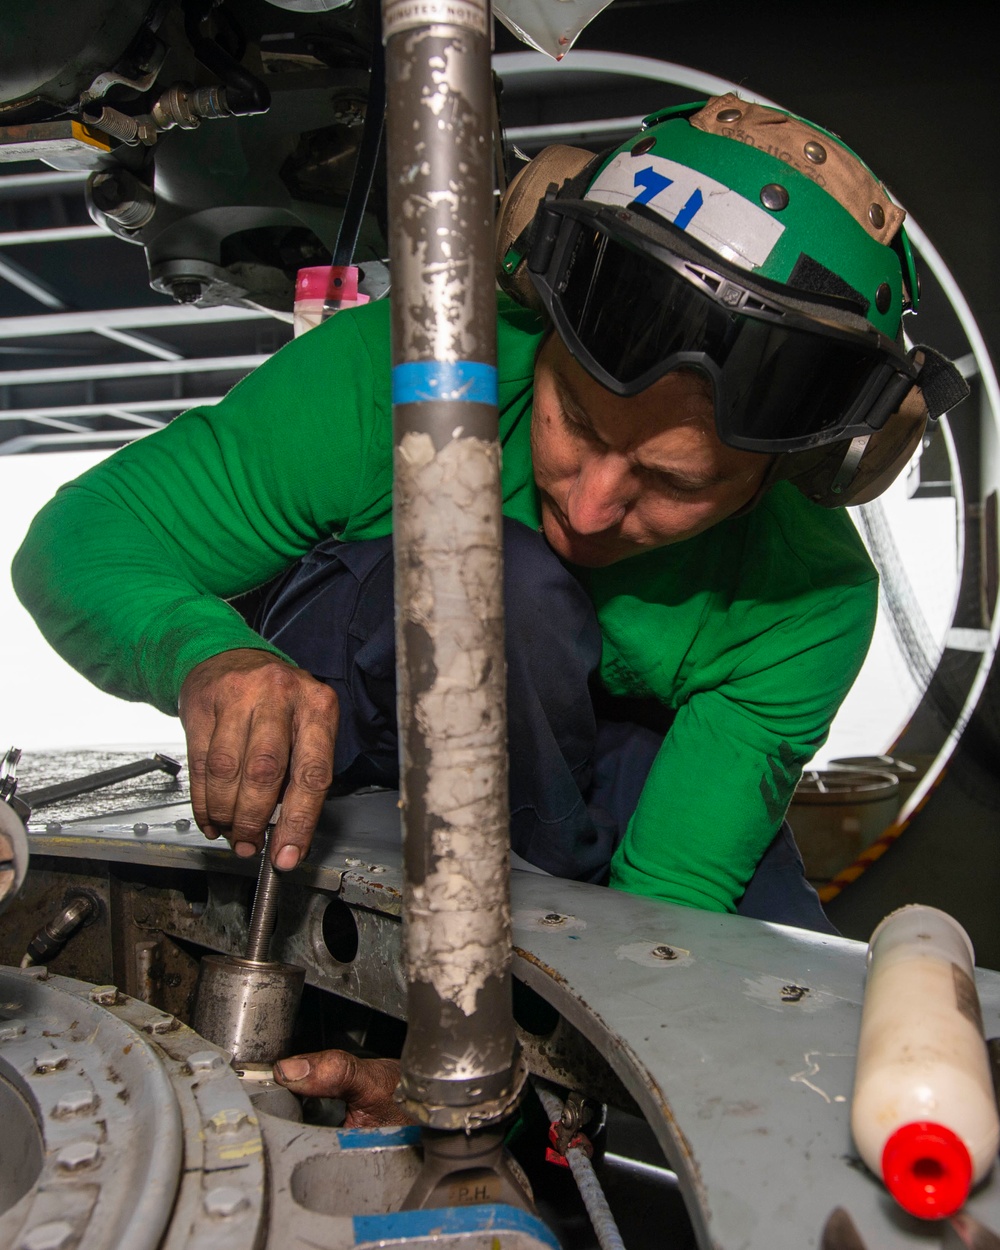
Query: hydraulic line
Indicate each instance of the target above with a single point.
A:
(605, 1227)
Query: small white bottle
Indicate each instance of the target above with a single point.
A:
(924, 1114)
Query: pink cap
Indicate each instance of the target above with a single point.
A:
(336, 282)
(927, 1169)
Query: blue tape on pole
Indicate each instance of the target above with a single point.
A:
(465, 381)
(493, 1217)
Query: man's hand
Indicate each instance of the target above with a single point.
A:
(366, 1085)
(251, 719)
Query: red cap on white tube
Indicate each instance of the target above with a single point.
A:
(927, 1169)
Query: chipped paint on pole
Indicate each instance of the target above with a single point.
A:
(459, 1067)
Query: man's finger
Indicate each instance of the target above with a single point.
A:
(198, 730)
(224, 767)
(365, 1085)
(310, 775)
(263, 770)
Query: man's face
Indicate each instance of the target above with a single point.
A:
(621, 476)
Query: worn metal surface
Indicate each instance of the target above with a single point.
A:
(139, 1134)
(458, 1065)
(40, 770)
(739, 1050)
(125, 1130)
(248, 1008)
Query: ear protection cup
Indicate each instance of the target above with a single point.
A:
(886, 455)
(556, 165)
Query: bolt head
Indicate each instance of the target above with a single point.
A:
(229, 1120)
(77, 1155)
(104, 995)
(51, 1061)
(52, 1236)
(663, 952)
(11, 1029)
(75, 1101)
(204, 1061)
(140, 828)
(163, 1024)
(225, 1200)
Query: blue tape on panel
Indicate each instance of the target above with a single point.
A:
(369, 1138)
(494, 1217)
(422, 381)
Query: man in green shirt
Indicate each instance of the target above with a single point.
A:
(726, 291)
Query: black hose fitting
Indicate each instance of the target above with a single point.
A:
(245, 93)
(55, 933)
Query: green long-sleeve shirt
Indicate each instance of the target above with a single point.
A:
(752, 631)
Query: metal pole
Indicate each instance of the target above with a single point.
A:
(460, 1068)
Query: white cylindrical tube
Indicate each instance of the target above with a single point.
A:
(924, 1114)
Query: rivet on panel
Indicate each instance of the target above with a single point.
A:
(728, 115)
(876, 215)
(815, 152)
(663, 952)
(644, 145)
(774, 196)
(883, 297)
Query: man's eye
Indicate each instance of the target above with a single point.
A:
(577, 427)
(671, 486)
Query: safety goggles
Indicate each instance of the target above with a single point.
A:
(634, 299)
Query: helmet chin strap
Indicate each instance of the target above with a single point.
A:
(849, 465)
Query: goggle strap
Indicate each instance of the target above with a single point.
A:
(573, 189)
(940, 380)
(849, 465)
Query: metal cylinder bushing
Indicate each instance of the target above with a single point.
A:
(248, 1008)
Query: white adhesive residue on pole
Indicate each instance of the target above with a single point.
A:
(924, 1115)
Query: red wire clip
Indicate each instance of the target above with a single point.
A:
(561, 1142)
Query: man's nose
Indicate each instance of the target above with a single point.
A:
(600, 495)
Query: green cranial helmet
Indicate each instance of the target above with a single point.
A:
(774, 195)
(742, 242)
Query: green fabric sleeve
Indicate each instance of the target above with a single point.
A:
(721, 783)
(126, 569)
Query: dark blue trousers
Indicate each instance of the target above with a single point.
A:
(578, 758)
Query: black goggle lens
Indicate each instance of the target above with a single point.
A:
(777, 386)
